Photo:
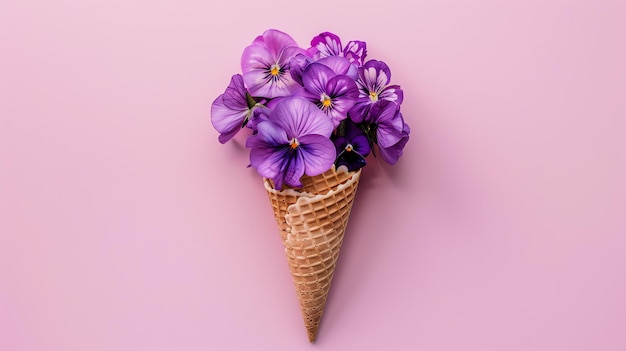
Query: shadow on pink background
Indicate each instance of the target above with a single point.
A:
(125, 225)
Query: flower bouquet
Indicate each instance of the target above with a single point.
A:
(315, 115)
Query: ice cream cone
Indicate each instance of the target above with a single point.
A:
(312, 222)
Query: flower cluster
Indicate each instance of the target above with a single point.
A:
(310, 109)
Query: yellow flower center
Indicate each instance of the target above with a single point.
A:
(348, 148)
(373, 96)
(294, 143)
(275, 70)
(326, 101)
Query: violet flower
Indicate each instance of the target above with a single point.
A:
(340, 65)
(232, 110)
(392, 154)
(332, 93)
(373, 83)
(352, 146)
(293, 141)
(388, 130)
(328, 44)
(297, 64)
(265, 64)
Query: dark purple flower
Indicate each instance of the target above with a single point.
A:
(332, 93)
(391, 133)
(293, 141)
(265, 64)
(352, 146)
(328, 44)
(373, 83)
(231, 111)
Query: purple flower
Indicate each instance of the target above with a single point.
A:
(332, 93)
(391, 133)
(293, 141)
(352, 146)
(231, 111)
(297, 64)
(265, 64)
(259, 114)
(328, 44)
(340, 65)
(392, 154)
(373, 83)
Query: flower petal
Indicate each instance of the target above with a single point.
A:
(270, 153)
(351, 160)
(389, 122)
(355, 51)
(256, 57)
(339, 65)
(315, 78)
(343, 92)
(361, 110)
(276, 41)
(300, 117)
(302, 92)
(235, 94)
(297, 64)
(318, 153)
(293, 167)
(327, 44)
(392, 93)
(260, 114)
(394, 152)
(375, 75)
(225, 120)
(272, 133)
(257, 61)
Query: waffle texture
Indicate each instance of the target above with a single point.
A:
(312, 222)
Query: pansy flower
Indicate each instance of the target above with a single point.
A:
(388, 130)
(293, 141)
(297, 64)
(265, 64)
(328, 44)
(392, 153)
(373, 83)
(352, 146)
(232, 110)
(332, 93)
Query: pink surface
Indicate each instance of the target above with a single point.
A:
(125, 225)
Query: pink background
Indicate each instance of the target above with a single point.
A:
(125, 225)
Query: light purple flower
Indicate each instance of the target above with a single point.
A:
(373, 83)
(332, 93)
(391, 133)
(265, 64)
(328, 44)
(231, 111)
(293, 141)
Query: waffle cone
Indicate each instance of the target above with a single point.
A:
(312, 222)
